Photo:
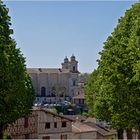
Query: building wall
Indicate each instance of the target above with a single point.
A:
(34, 78)
(24, 127)
(55, 80)
(113, 136)
(52, 131)
(59, 79)
(84, 135)
(99, 136)
(56, 136)
(43, 82)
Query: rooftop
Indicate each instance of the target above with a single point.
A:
(47, 70)
(78, 127)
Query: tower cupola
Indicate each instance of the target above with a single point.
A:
(73, 64)
(72, 57)
(65, 64)
(66, 60)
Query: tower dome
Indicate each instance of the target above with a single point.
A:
(66, 60)
(72, 58)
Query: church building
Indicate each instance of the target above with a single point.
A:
(54, 85)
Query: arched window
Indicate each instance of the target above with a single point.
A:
(74, 83)
(43, 91)
(73, 68)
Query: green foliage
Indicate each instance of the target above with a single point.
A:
(7, 136)
(16, 90)
(83, 77)
(113, 90)
(58, 109)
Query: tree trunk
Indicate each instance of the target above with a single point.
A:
(1, 131)
(120, 133)
(129, 133)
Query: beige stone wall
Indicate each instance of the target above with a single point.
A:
(46, 117)
(59, 80)
(34, 78)
(18, 129)
(53, 79)
(43, 81)
(99, 136)
(49, 80)
(56, 135)
(64, 83)
(84, 135)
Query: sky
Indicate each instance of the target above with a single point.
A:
(48, 31)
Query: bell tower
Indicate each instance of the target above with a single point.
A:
(73, 64)
(65, 64)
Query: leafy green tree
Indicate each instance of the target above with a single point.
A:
(83, 77)
(91, 90)
(95, 100)
(119, 74)
(16, 90)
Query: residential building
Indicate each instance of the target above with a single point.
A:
(101, 132)
(41, 124)
(53, 126)
(44, 124)
(83, 131)
(25, 127)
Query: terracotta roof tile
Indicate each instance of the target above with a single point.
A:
(78, 127)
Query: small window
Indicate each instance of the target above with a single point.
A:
(74, 83)
(43, 91)
(63, 137)
(55, 124)
(46, 137)
(26, 122)
(47, 125)
(73, 68)
(63, 124)
(27, 136)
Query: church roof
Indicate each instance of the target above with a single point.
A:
(47, 70)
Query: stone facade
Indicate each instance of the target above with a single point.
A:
(25, 127)
(53, 126)
(53, 85)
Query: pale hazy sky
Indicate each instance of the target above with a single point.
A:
(47, 31)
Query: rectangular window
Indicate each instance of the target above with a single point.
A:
(27, 136)
(74, 82)
(73, 68)
(63, 124)
(46, 137)
(47, 125)
(55, 124)
(26, 122)
(63, 137)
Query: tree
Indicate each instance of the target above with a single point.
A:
(95, 100)
(91, 89)
(16, 91)
(119, 74)
(83, 77)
